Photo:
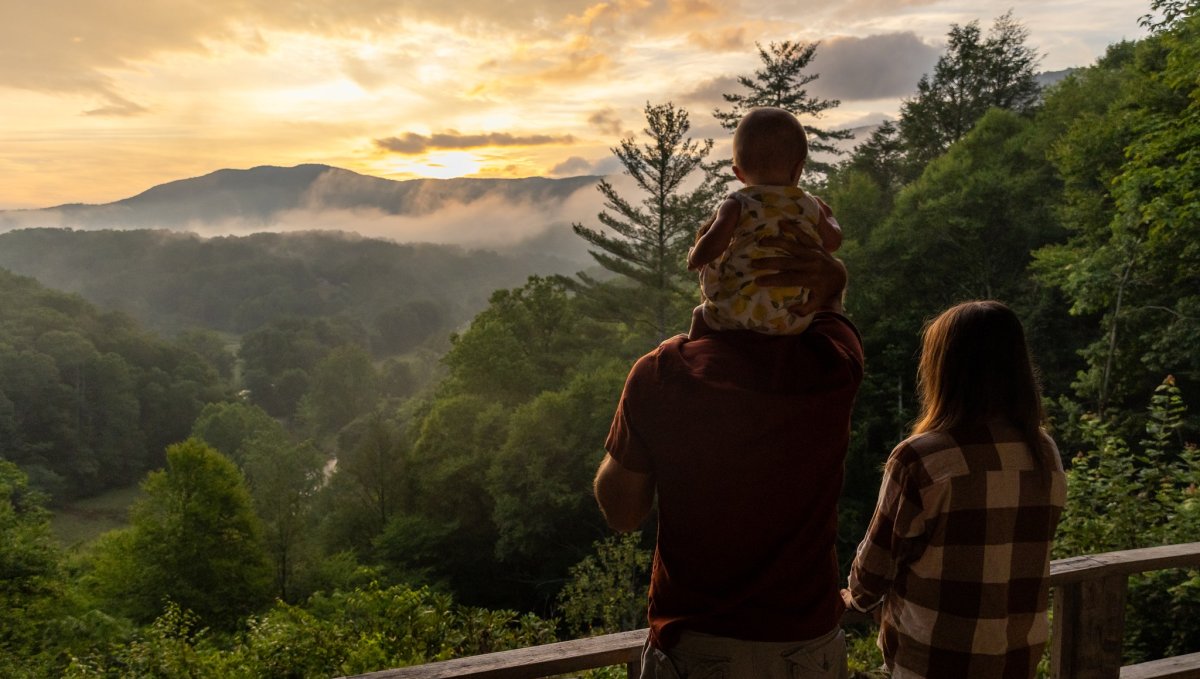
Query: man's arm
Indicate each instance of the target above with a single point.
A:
(625, 496)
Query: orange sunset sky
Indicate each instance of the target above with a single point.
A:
(103, 99)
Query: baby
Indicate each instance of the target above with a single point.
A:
(769, 152)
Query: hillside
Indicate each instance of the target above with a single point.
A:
(171, 281)
(268, 195)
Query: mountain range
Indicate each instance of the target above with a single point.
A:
(267, 196)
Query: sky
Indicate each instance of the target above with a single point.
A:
(103, 99)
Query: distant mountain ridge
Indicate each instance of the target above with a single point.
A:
(262, 195)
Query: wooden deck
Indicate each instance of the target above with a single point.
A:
(1089, 628)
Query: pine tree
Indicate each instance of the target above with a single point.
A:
(781, 83)
(646, 243)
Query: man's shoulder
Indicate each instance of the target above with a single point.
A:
(825, 327)
(650, 364)
(830, 350)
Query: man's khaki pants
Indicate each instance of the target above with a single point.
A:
(703, 656)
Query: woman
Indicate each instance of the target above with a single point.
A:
(958, 552)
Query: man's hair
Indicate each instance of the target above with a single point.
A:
(975, 366)
(769, 139)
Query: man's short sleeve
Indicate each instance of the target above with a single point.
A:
(624, 442)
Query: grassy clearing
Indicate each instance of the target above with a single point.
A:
(82, 521)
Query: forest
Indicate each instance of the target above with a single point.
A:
(335, 479)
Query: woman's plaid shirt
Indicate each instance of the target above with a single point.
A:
(958, 553)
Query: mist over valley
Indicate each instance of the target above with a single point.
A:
(504, 214)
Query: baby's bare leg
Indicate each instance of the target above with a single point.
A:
(699, 327)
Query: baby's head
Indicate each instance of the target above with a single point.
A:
(769, 147)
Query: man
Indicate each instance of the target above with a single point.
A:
(743, 437)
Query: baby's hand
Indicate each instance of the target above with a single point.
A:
(828, 228)
(715, 235)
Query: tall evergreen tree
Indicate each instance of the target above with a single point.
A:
(647, 243)
(781, 83)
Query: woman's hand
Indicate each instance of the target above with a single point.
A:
(852, 615)
(808, 266)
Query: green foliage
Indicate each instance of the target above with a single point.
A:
(173, 282)
(863, 657)
(525, 342)
(648, 243)
(450, 533)
(975, 74)
(482, 486)
(781, 83)
(193, 540)
(541, 477)
(284, 479)
(87, 400)
(1133, 260)
(352, 632)
(280, 357)
(344, 386)
(1171, 11)
(518, 356)
(1124, 496)
(31, 577)
(606, 592)
(370, 483)
(230, 427)
(172, 646)
(964, 230)
(214, 348)
(863, 189)
(404, 327)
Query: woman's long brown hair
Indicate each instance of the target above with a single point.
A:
(975, 367)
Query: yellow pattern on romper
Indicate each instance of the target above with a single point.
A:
(731, 298)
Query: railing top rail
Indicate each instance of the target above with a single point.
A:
(545, 660)
(619, 649)
(1092, 566)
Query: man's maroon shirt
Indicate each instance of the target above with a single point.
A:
(746, 436)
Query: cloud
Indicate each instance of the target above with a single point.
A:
(576, 67)
(867, 120)
(118, 107)
(367, 75)
(708, 93)
(873, 67)
(608, 121)
(679, 12)
(411, 143)
(726, 39)
(578, 165)
(61, 46)
(575, 165)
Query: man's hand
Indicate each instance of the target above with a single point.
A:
(808, 266)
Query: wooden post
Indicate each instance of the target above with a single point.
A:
(1089, 628)
(633, 669)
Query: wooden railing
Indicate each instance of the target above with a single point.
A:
(1089, 628)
